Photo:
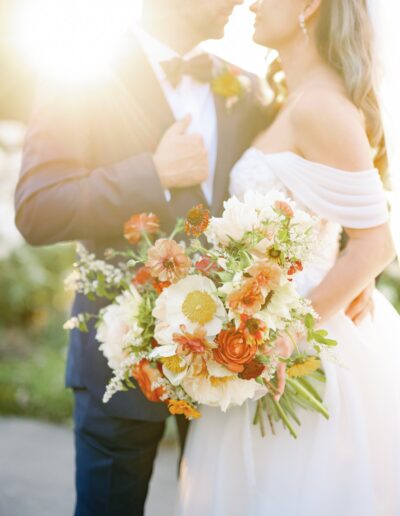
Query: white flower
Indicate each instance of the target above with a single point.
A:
(192, 302)
(71, 324)
(223, 393)
(237, 219)
(283, 300)
(119, 327)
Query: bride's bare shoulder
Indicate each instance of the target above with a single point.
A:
(329, 129)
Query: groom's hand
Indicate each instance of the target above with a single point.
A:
(181, 159)
(362, 305)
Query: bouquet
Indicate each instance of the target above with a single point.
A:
(214, 319)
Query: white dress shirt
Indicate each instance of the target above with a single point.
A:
(189, 97)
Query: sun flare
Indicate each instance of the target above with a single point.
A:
(72, 40)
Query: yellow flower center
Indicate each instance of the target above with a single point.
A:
(173, 363)
(216, 382)
(199, 307)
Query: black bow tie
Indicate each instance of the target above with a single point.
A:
(199, 67)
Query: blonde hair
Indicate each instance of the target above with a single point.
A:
(345, 41)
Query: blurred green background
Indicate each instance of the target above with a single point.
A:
(34, 306)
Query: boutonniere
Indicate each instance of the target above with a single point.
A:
(229, 82)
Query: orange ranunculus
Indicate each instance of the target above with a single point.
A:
(233, 350)
(140, 223)
(168, 261)
(177, 407)
(146, 375)
(197, 221)
(284, 208)
(248, 299)
(267, 274)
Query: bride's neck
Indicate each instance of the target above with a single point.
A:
(302, 65)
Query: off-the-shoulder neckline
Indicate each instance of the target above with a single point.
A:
(309, 162)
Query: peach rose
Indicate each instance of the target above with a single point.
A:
(233, 351)
(146, 375)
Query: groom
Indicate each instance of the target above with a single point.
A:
(152, 137)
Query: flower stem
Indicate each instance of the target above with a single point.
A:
(284, 418)
(302, 391)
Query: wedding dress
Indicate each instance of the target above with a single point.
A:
(349, 465)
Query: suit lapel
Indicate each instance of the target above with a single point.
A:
(154, 115)
(229, 129)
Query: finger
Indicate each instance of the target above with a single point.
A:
(281, 380)
(367, 310)
(180, 127)
(357, 305)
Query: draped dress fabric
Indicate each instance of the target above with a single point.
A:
(350, 464)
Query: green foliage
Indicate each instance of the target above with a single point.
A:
(33, 307)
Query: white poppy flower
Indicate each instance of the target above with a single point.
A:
(236, 220)
(222, 392)
(192, 302)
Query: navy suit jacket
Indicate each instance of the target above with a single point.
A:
(87, 167)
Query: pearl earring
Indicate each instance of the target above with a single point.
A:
(303, 26)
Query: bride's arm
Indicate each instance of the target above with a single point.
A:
(367, 253)
(328, 129)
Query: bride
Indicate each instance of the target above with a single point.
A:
(318, 150)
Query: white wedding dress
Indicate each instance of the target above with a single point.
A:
(349, 465)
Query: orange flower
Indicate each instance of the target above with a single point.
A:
(252, 370)
(248, 299)
(139, 223)
(159, 286)
(167, 261)
(233, 351)
(266, 274)
(146, 375)
(197, 221)
(193, 342)
(295, 267)
(142, 276)
(253, 329)
(207, 266)
(284, 208)
(177, 407)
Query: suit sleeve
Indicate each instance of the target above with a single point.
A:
(60, 196)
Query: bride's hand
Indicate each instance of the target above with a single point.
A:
(362, 305)
(283, 348)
